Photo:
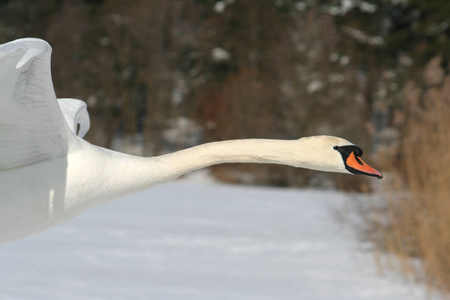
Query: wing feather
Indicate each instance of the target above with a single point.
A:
(76, 115)
(32, 128)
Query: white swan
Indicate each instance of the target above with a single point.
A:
(49, 174)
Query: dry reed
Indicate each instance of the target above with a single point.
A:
(416, 215)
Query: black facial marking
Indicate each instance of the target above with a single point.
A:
(345, 151)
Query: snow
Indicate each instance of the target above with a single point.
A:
(219, 7)
(344, 60)
(364, 38)
(220, 54)
(197, 240)
(182, 131)
(315, 86)
(300, 6)
(367, 7)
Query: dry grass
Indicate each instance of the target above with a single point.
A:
(415, 219)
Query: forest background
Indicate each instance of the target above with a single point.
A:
(164, 75)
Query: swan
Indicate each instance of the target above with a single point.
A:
(49, 173)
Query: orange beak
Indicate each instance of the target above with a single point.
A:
(357, 164)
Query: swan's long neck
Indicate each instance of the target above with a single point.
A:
(232, 151)
(128, 174)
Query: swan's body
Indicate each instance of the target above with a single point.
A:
(49, 174)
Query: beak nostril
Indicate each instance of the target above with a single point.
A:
(359, 160)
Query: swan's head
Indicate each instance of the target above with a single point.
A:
(333, 154)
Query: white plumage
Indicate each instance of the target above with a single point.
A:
(49, 174)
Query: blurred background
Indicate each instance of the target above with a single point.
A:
(159, 76)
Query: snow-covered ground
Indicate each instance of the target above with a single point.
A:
(188, 240)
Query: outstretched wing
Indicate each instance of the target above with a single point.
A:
(32, 127)
(76, 115)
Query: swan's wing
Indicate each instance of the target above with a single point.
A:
(76, 115)
(32, 127)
